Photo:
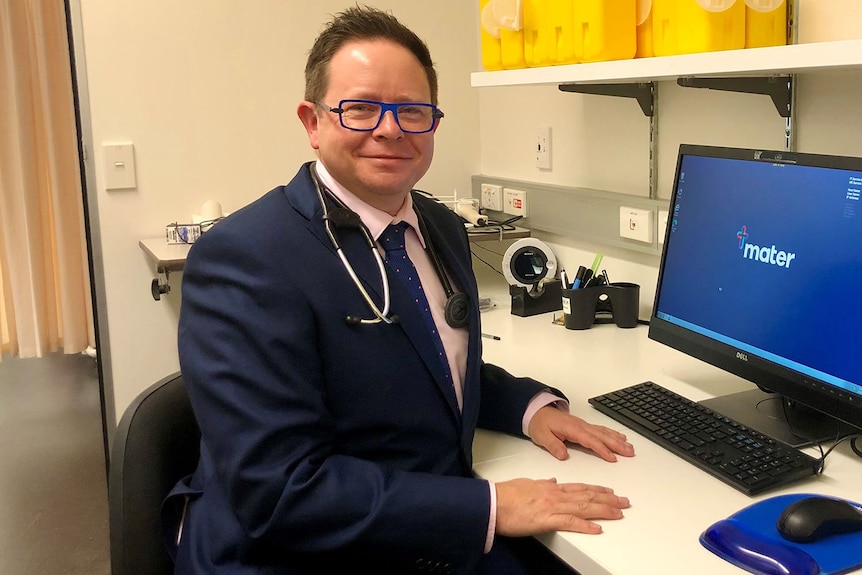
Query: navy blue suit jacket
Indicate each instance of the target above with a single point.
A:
(327, 446)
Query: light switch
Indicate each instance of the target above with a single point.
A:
(119, 166)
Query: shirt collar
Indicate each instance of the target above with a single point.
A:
(375, 220)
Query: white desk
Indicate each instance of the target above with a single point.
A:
(169, 257)
(672, 501)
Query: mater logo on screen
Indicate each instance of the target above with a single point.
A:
(768, 255)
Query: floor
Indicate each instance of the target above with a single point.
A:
(53, 490)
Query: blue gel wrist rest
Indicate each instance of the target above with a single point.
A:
(729, 541)
(750, 540)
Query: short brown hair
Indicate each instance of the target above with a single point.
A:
(361, 23)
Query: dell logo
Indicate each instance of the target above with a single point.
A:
(742, 356)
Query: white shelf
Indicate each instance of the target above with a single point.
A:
(167, 257)
(845, 54)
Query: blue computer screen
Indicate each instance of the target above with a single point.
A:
(767, 257)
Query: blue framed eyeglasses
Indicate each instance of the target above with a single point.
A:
(366, 115)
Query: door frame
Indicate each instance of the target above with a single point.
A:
(83, 120)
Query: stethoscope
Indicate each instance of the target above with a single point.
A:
(457, 307)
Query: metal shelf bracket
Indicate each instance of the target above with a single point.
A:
(643, 92)
(779, 88)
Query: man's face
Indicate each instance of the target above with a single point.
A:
(383, 165)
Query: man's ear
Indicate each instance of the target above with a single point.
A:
(307, 112)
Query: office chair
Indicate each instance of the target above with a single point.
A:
(156, 444)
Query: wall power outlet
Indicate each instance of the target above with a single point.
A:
(492, 197)
(515, 202)
(636, 224)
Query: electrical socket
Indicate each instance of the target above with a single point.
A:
(515, 202)
(492, 197)
(636, 224)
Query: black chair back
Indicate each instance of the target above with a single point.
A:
(156, 444)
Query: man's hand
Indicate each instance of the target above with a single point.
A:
(529, 507)
(551, 428)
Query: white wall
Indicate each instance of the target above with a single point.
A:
(207, 92)
(602, 142)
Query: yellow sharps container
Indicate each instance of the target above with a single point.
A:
(605, 30)
(644, 29)
(549, 35)
(765, 23)
(502, 34)
(688, 26)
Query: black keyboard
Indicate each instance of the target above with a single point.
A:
(741, 457)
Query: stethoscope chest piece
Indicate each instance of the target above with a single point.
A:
(457, 310)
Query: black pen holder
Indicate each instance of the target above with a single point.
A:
(545, 298)
(614, 303)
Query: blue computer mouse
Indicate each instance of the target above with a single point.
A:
(815, 518)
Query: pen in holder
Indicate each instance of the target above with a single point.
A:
(613, 303)
(542, 299)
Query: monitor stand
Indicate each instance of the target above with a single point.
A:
(768, 414)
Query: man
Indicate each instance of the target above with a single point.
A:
(336, 437)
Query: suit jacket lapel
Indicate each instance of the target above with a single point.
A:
(302, 195)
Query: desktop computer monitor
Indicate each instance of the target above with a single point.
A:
(761, 276)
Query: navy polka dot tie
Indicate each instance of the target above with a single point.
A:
(392, 240)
